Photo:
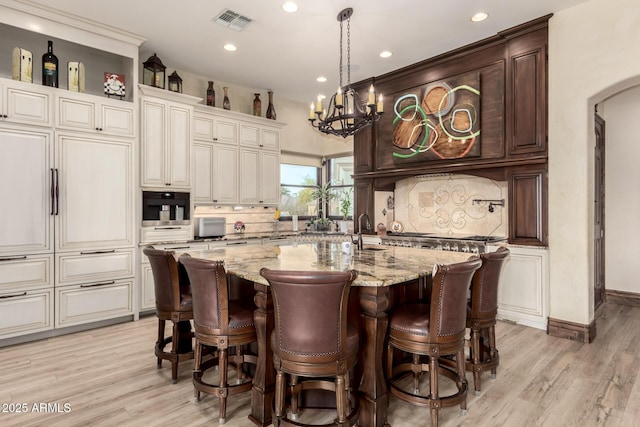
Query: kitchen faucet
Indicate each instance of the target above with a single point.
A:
(367, 225)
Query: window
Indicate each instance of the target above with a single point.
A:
(340, 176)
(296, 185)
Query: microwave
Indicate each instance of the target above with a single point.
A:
(209, 227)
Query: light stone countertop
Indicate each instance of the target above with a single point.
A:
(376, 265)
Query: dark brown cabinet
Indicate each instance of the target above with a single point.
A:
(528, 206)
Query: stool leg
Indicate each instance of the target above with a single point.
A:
(416, 375)
(279, 397)
(433, 386)
(239, 358)
(294, 397)
(174, 352)
(389, 361)
(462, 379)
(493, 351)
(222, 391)
(161, 325)
(341, 394)
(475, 359)
(197, 373)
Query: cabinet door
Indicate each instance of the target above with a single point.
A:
(96, 193)
(203, 172)
(249, 164)
(91, 302)
(117, 120)
(153, 137)
(179, 147)
(226, 130)
(270, 138)
(269, 178)
(204, 127)
(24, 105)
(26, 312)
(225, 174)
(249, 135)
(147, 288)
(76, 114)
(25, 172)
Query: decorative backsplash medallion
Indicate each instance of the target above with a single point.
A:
(451, 204)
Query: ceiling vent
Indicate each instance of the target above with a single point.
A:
(233, 20)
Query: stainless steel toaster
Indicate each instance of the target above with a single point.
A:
(209, 227)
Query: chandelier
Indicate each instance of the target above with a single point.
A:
(346, 114)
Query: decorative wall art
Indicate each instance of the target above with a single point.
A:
(75, 77)
(440, 120)
(22, 66)
(114, 85)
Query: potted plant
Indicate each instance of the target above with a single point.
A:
(323, 194)
(345, 209)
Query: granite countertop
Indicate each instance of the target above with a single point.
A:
(376, 265)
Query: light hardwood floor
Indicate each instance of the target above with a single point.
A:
(108, 377)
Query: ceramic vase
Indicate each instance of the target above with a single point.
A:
(211, 95)
(257, 105)
(271, 110)
(225, 103)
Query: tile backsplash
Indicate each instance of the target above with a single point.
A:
(256, 220)
(444, 204)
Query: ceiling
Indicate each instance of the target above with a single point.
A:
(286, 52)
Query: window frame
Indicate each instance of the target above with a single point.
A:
(318, 180)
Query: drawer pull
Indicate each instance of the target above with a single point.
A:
(13, 258)
(94, 285)
(97, 252)
(179, 247)
(13, 296)
(166, 228)
(236, 243)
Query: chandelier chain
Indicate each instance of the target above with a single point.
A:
(348, 52)
(340, 53)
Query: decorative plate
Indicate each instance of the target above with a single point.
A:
(396, 227)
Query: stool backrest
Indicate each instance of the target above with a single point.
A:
(310, 310)
(169, 279)
(449, 292)
(210, 293)
(484, 287)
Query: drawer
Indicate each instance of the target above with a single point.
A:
(166, 234)
(25, 312)
(94, 266)
(26, 272)
(78, 304)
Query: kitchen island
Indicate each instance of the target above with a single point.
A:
(380, 268)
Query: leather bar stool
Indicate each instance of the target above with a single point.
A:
(220, 324)
(173, 302)
(312, 339)
(428, 332)
(481, 316)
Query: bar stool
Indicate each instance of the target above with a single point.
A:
(430, 331)
(173, 302)
(312, 339)
(481, 316)
(220, 324)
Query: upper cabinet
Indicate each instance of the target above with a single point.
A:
(261, 136)
(88, 113)
(212, 128)
(25, 103)
(166, 138)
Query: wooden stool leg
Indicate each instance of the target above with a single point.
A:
(416, 375)
(493, 351)
(462, 379)
(476, 360)
(341, 403)
(222, 391)
(239, 358)
(174, 352)
(197, 373)
(279, 397)
(161, 325)
(433, 385)
(294, 397)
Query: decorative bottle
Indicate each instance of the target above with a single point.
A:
(211, 95)
(257, 105)
(225, 103)
(271, 110)
(50, 67)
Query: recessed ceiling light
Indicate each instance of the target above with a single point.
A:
(230, 47)
(480, 16)
(290, 7)
(321, 79)
(385, 54)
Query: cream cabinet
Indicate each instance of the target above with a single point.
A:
(25, 103)
(216, 173)
(523, 291)
(166, 138)
(92, 302)
(26, 312)
(214, 128)
(147, 298)
(259, 177)
(86, 113)
(259, 135)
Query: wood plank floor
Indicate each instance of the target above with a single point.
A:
(108, 377)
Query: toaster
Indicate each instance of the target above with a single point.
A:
(209, 227)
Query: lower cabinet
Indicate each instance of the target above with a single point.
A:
(92, 302)
(523, 292)
(26, 312)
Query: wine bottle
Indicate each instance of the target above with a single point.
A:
(50, 67)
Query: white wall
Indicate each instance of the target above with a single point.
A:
(622, 200)
(593, 53)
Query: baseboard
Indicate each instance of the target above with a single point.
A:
(623, 298)
(573, 331)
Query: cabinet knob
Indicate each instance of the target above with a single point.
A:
(167, 183)
(215, 139)
(215, 200)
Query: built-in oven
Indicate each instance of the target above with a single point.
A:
(165, 208)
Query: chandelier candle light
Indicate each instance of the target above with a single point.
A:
(345, 114)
